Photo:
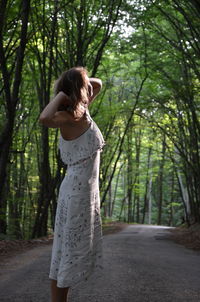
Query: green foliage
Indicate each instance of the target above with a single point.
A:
(154, 41)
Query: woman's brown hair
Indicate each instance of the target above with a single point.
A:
(74, 84)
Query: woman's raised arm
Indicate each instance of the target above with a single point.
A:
(50, 116)
(96, 87)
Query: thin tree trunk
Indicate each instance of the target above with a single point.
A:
(146, 185)
(150, 196)
(115, 191)
(160, 182)
(129, 173)
(137, 175)
(171, 200)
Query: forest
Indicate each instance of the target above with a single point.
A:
(147, 53)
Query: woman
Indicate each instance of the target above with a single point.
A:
(77, 234)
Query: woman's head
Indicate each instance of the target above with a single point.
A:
(75, 83)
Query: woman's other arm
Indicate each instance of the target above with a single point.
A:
(50, 116)
(96, 87)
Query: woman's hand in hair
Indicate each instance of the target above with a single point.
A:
(64, 101)
(96, 87)
(90, 90)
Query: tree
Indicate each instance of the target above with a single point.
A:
(11, 61)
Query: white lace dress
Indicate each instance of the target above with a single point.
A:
(77, 245)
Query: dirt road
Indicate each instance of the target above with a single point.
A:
(141, 265)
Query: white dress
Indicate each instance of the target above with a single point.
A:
(77, 245)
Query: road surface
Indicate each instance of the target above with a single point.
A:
(141, 265)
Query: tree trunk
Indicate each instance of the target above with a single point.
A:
(137, 174)
(129, 173)
(145, 208)
(116, 187)
(171, 200)
(160, 182)
(45, 193)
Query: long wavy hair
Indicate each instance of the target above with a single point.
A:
(74, 84)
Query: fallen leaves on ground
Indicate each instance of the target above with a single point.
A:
(113, 227)
(12, 247)
(187, 236)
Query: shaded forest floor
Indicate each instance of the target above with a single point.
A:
(189, 237)
(9, 248)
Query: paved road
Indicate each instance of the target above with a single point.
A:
(141, 265)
